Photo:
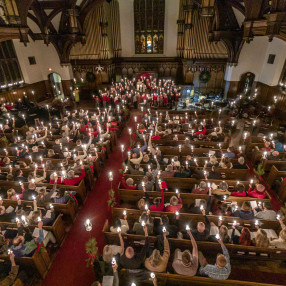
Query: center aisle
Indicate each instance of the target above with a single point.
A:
(69, 267)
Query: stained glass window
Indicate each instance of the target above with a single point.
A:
(10, 72)
(149, 18)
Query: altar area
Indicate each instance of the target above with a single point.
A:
(191, 99)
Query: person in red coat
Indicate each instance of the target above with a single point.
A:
(175, 204)
(239, 191)
(257, 192)
(128, 184)
(201, 131)
(70, 181)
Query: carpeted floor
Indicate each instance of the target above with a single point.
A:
(69, 267)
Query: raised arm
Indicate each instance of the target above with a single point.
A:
(194, 244)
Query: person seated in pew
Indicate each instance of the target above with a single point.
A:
(281, 241)
(202, 231)
(11, 277)
(279, 146)
(128, 184)
(31, 192)
(213, 160)
(153, 172)
(144, 219)
(240, 164)
(183, 172)
(134, 159)
(221, 230)
(260, 238)
(186, 263)
(225, 163)
(19, 176)
(157, 262)
(169, 172)
(44, 196)
(63, 196)
(245, 211)
(33, 176)
(11, 193)
(70, 180)
(221, 193)
(213, 174)
(171, 227)
(175, 204)
(136, 170)
(229, 153)
(131, 260)
(265, 211)
(274, 156)
(221, 270)
(241, 238)
(239, 191)
(256, 191)
(202, 188)
(37, 153)
(220, 208)
(195, 207)
(120, 223)
(147, 183)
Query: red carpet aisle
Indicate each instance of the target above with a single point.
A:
(69, 267)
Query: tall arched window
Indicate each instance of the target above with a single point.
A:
(149, 18)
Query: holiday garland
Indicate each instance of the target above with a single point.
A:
(90, 77)
(205, 76)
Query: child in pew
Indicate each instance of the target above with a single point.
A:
(241, 238)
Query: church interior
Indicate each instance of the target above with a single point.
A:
(142, 142)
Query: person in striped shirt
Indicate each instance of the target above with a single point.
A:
(221, 270)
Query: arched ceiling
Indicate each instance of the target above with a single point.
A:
(61, 22)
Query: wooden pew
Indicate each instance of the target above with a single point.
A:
(40, 262)
(168, 279)
(229, 174)
(133, 196)
(273, 175)
(196, 144)
(134, 214)
(58, 227)
(80, 189)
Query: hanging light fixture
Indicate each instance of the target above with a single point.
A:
(207, 8)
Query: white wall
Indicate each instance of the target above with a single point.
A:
(250, 60)
(271, 73)
(126, 12)
(46, 57)
(171, 27)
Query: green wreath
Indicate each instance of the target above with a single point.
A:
(90, 77)
(205, 76)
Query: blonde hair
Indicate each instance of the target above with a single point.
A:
(155, 258)
(223, 232)
(10, 193)
(221, 260)
(261, 239)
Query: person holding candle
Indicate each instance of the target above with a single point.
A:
(221, 270)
